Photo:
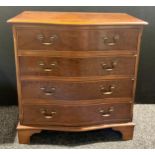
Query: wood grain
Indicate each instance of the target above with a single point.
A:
(76, 18)
(17, 73)
(78, 54)
(25, 132)
(126, 131)
(76, 115)
(77, 90)
(76, 67)
(25, 135)
(76, 39)
(76, 71)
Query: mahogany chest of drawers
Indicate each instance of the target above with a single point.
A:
(76, 71)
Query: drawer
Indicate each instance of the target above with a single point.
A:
(74, 67)
(76, 115)
(92, 39)
(77, 90)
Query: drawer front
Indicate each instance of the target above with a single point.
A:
(76, 115)
(77, 39)
(74, 67)
(77, 90)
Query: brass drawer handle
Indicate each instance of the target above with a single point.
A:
(106, 113)
(47, 69)
(51, 39)
(109, 67)
(108, 91)
(48, 91)
(46, 114)
(114, 39)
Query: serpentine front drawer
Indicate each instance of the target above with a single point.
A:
(77, 38)
(76, 71)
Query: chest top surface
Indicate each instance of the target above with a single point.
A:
(76, 18)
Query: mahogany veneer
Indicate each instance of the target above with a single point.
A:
(76, 71)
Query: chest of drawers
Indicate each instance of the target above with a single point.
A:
(76, 71)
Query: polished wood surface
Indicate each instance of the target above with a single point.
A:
(77, 54)
(76, 115)
(17, 73)
(25, 135)
(99, 66)
(76, 18)
(77, 39)
(37, 101)
(126, 131)
(25, 132)
(76, 73)
(77, 90)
